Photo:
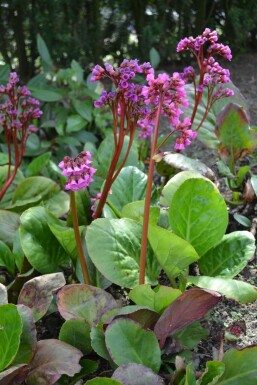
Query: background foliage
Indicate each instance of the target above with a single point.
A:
(88, 30)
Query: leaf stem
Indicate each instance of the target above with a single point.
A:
(78, 238)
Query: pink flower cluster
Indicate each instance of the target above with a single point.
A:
(78, 170)
(185, 134)
(19, 109)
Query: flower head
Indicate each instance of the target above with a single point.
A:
(78, 170)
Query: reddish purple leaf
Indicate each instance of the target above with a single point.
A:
(14, 375)
(190, 306)
(53, 358)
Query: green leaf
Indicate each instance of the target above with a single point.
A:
(240, 367)
(173, 253)
(9, 223)
(37, 164)
(98, 343)
(184, 163)
(75, 123)
(28, 340)
(105, 153)
(3, 158)
(88, 367)
(233, 131)
(10, 333)
(83, 108)
(135, 210)
(254, 183)
(40, 246)
(35, 186)
(157, 299)
(83, 205)
(154, 57)
(244, 221)
(174, 183)
(52, 359)
(117, 242)
(9, 193)
(76, 333)
(196, 209)
(45, 94)
(191, 335)
(7, 259)
(190, 377)
(129, 186)
(58, 204)
(136, 374)
(3, 294)
(37, 293)
(141, 346)
(43, 51)
(230, 256)
(237, 290)
(103, 381)
(213, 371)
(84, 302)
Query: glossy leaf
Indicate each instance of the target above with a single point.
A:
(84, 302)
(244, 221)
(40, 246)
(37, 293)
(213, 371)
(83, 108)
(198, 214)
(46, 94)
(9, 193)
(157, 299)
(88, 367)
(28, 339)
(136, 374)
(43, 51)
(9, 223)
(182, 163)
(10, 333)
(240, 367)
(154, 57)
(7, 259)
(14, 375)
(230, 256)
(76, 332)
(75, 123)
(58, 204)
(240, 291)
(98, 343)
(173, 253)
(190, 306)
(174, 183)
(103, 381)
(129, 186)
(117, 242)
(52, 359)
(3, 294)
(233, 131)
(37, 164)
(141, 346)
(254, 183)
(105, 153)
(35, 186)
(135, 210)
(145, 316)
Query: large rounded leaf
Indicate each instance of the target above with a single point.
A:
(10, 332)
(174, 254)
(84, 302)
(136, 374)
(28, 340)
(37, 293)
(140, 346)
(238, 290)
(39, 244)
(9, 223)
(53, 358)
(114, 246)
(198, 214)
(76, 332)
(230, 256)
(240, 367)
(129, 186)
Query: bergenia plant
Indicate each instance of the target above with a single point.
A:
(16, 117)
(80, 175)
